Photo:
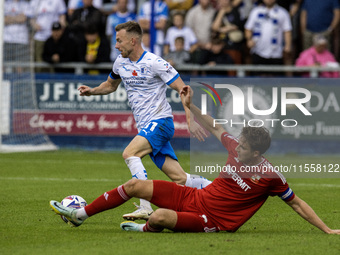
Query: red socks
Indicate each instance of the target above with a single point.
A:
(148, 228)
(108, 200)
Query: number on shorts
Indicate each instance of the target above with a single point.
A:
(154, 124)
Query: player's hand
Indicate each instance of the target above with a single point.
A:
(55, 58)
(89, 58)
(287, 49)
(334, 232)
(84, 90)
(36, 27)
(250, 43)
(197, 131)
(187, 92)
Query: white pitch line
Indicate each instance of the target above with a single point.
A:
(58, 179)
(316, 185)
(74, 161)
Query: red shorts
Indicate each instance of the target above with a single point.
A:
(181, 199)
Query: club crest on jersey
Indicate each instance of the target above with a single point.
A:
(144, 69)
(255, 178)
(134, 73)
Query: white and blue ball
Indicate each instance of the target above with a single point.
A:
(73, 201)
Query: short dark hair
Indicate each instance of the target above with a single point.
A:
(180, 39)
(130, 27)
(91, 29)
(178, 13)
(257, 137)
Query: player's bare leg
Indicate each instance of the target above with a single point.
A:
(176, 173)
(174, 170)
(139, 188)
(138, 147)
(163, 218)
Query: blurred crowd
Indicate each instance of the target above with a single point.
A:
(206, 32)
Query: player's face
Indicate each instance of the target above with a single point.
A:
(124, 43)
(245, 154)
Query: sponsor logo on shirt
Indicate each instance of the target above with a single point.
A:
(255, 178)
(134, 80)
(240, 182)
(134, 73)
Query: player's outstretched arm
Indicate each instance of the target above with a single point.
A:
(178, 85)
(205, 120)
(106, 87)
(306, 212)
(195, 129)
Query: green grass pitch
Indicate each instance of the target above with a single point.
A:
(27, 225)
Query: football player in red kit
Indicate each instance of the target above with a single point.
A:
(224, 205)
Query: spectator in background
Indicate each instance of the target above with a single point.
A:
(179, 56)
(160, 22)
(318, 55)
(244, 8)
(44, 13)
(217, 56)
(16, 32)
(77, 4)
(293, 7)
(227, 26)
(146, 40)
(318, 17)
(95, 49)
(179, 30)
(199, 18)
(59, 48)
(267, 29)
(111, 6)
(83, 17)
(146, 43)
(122, 15)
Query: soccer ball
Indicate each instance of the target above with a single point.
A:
(73, 201)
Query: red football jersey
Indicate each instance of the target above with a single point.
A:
(232, 198)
